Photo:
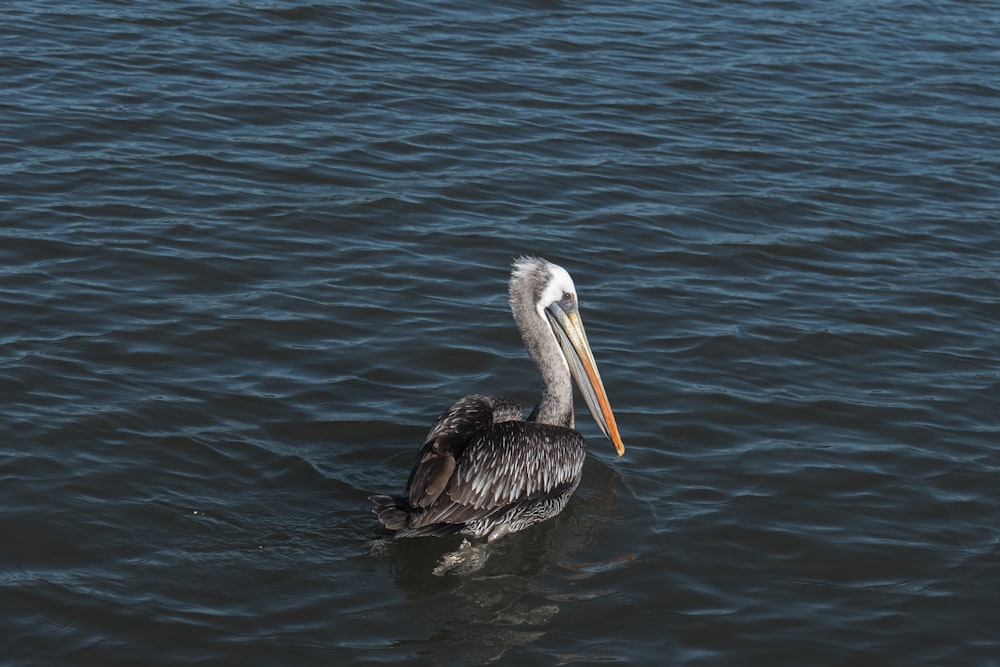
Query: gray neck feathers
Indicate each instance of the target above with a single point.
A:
(555, 406)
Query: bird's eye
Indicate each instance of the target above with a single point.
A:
(567, 296)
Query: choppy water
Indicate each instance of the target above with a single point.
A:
(249, 250)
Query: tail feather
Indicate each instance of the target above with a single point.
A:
(390, 511)
(394, 514)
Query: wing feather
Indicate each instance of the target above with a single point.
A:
(514, 461)
(447, 440)
(506, 464)
(480, 458)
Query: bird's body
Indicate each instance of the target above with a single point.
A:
(483, 470)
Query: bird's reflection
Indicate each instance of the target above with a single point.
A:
(503, 601)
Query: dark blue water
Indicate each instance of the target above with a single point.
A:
(250, 250)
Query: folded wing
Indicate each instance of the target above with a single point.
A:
(479, 459)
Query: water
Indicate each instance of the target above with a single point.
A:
(249, 250)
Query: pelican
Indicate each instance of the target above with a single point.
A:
(483, 469)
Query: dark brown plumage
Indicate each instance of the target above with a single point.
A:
(484, 471)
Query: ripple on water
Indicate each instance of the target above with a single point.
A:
(253, 250)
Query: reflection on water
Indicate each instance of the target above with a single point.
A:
(509, 598)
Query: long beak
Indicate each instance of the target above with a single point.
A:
(572, 339)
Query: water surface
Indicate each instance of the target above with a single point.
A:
(250, 250)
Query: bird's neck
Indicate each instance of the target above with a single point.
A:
(555, 406)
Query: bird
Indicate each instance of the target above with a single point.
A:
(485, 471)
